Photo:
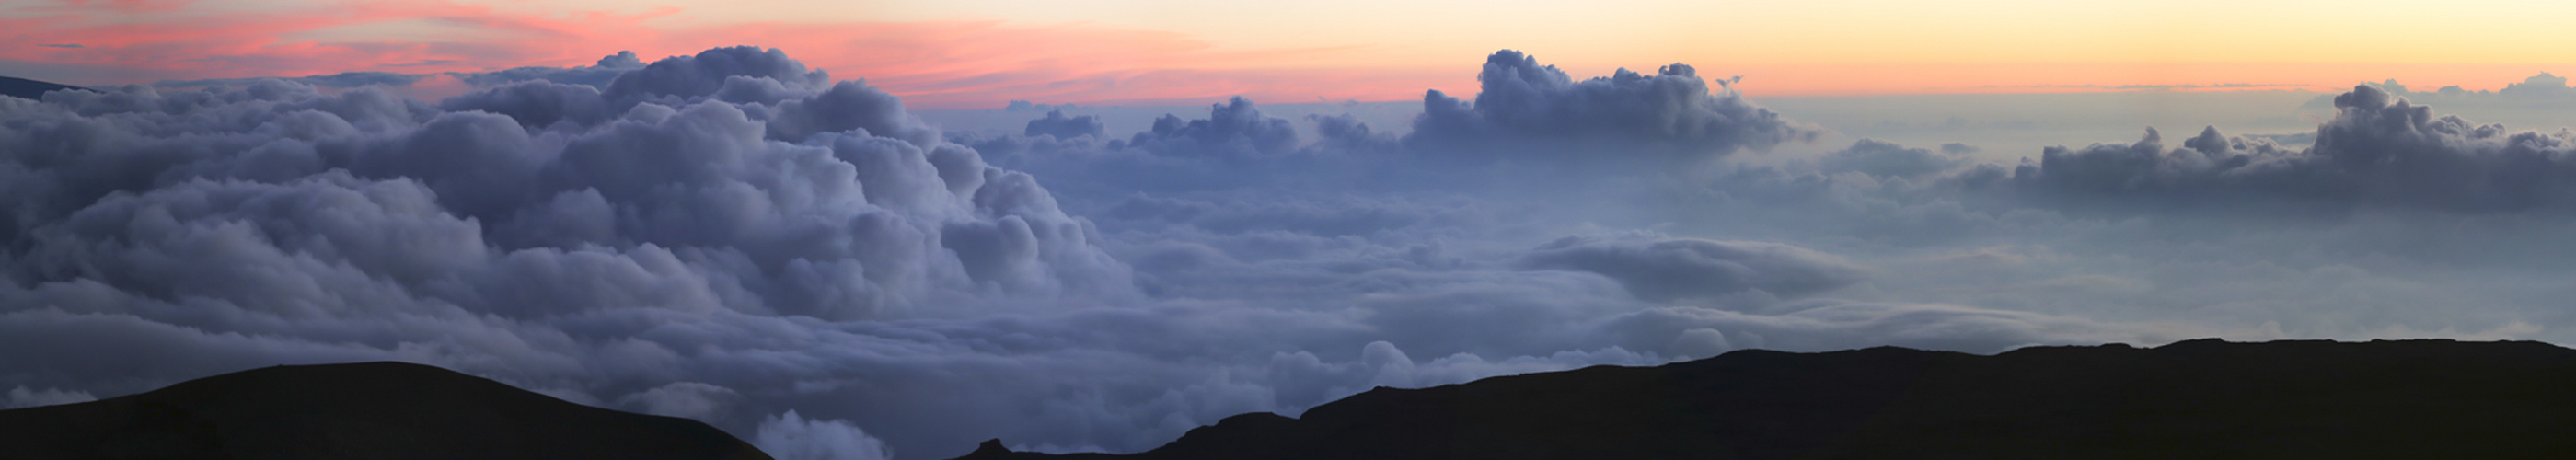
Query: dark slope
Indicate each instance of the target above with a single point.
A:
(2194, 399)
(352, 411)
(31, 89)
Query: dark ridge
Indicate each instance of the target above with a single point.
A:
(2193, 399)
(353, 411)
(31, 89)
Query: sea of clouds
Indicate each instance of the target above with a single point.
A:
(736, 238)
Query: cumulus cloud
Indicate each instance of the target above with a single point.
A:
(790, 437)
(1525, 110)
(596, 75)
(2378, 151)
(1060, 126)
(528, 202)
(1233, 127)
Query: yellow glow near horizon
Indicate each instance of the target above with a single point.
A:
(1815, 47)
(1772, 32)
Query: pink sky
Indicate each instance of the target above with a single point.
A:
(975, 63)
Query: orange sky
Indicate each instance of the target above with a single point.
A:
(978, 53)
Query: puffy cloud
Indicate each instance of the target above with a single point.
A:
(1234, 127)
(2379, 151)
(596, 75)
(527, 200)
(1060, 126)
(1525, 110)
(536, 103)
(715, 70)
(790, 437)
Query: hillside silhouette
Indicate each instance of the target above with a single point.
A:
(2192, 399)
(31, 89)
(380, 410)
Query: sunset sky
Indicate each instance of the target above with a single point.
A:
(976, 53)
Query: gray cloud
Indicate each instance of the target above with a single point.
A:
(1234, 127)
(790, 437)
(22, 397)
(596, 75)
(1886, 159)
(1024, 106)
(766, 74)
(1063, 127)
(338, 80)
(2379, 151)
(1525, 110)
(1659, 268)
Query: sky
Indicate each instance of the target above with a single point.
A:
(979, 53)
(828, 228)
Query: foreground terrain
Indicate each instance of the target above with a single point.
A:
(352, 411)
(2193, 399)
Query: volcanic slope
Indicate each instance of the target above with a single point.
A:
(380, 410)
(31, 89)
(2193, 399)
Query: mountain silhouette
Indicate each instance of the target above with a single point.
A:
(380, 410)
(2193, 399)
(31, 89)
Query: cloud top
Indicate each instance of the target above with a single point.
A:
(1526, 110)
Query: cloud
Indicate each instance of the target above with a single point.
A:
(60, 45)
(1234, 127)
(2378, 151)
(1879, 158)
(1527, 111)
(596, 75)
(789, 437)
(766, 75)
(21, 397)
(1236, 142)
(1659, 268)
(1024, 106)
(338, 80)
(1063, 127)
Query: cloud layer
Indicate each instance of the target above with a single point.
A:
(737, 237)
